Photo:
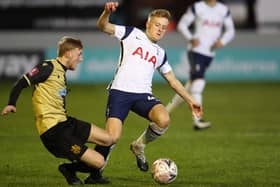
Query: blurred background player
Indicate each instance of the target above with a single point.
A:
(131, 88)
(62, 135)
(213, 29)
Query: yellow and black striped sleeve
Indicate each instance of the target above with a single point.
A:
(38, 74)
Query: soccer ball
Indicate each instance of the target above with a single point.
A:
(164, 171)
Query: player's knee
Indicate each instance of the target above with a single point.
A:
(163, 121)
(115, 139)
(100, 162)
(109, 141)
(106, 140)
(93, 158)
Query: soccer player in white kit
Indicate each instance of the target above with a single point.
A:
(131, 89)
(213, 29)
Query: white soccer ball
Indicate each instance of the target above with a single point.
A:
(164, 171)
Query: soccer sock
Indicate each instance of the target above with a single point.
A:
(196, 119)
(151, 133)
(79, 166)
(196, 90)
(176, 100)
(174, 103)
(105, 152)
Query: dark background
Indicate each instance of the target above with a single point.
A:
(82, 14)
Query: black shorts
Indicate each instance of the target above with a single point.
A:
(67, 139)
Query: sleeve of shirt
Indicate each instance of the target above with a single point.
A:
(165, 66)
(184, 23)
(38, 74)
(229, 33)
(16, 90)
(121, 32)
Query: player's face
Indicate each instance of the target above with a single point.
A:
(156, 27)
(211, 1)
(75, 57)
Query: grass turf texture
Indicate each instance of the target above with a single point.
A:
(240, 149)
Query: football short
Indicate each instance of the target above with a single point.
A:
(120, 103)
(67, 139)
(198, 64)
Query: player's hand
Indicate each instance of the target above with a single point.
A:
(218, 44)
(196, 110)
(195, 42)
(9, 108)
(111, 6)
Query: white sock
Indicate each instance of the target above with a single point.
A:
(151, 133)
(174, 103)
(176, 100)
(196, 119)
(196, 90)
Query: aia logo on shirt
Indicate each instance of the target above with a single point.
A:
(211, 23)
(145, 55)
(33, 72)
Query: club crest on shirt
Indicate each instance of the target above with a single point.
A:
(33, 72)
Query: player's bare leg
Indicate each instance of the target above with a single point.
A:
(90, 161)
(160, 118)
(114, 128)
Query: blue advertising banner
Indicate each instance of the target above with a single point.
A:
(233, 64)
(99, 65)
(230, 64)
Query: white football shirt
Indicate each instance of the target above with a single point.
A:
(208, 23)
(139, 58)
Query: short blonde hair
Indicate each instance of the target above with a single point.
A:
(67, 43)
(160, 13)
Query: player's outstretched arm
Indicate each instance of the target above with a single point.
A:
(8, 109)
(177, 86)
(15, 92)
(103, 21)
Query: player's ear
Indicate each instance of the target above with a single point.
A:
(68, 54)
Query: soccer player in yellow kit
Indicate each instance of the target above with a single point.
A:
(62, 135)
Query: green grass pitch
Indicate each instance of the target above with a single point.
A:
(240, 149)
